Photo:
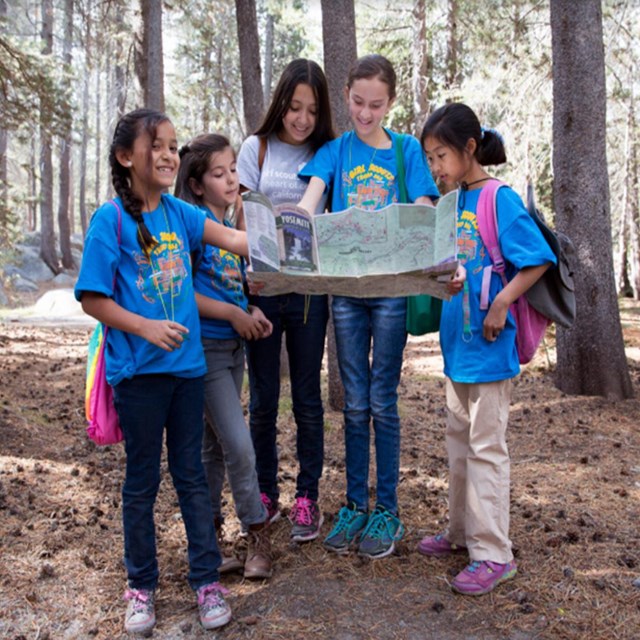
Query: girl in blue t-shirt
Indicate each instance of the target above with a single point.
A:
(135, 278)
(208, 179)
(479, 350)
(360, 168)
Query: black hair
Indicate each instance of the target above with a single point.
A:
(374, 66)
(454, 124)
(194, 163)
(128, 129)
(300, 71)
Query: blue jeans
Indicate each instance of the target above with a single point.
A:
(227, 442)
(147, 406)
(303, 320)
(371, 391)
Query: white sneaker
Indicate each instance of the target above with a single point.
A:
(141, 612)
(214, 611)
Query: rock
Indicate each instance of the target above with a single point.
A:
(636, 583)
(4, 301)
(21, 283)
(65, 280)
(31, 265)
(58, 303)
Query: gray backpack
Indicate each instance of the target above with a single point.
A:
(553, 295)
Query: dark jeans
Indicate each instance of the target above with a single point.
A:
(148, 406)
(303, 320)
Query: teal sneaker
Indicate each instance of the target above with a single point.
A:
(383, 530)
(348, 525)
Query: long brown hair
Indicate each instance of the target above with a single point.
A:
(129, 128)
(300, 71)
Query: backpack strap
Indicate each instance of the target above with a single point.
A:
(398, 140)
(487, 219)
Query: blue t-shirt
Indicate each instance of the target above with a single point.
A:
(158, 287)
(219, 276)
(365, 176)
(468, 357)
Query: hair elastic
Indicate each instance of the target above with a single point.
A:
(495, 132)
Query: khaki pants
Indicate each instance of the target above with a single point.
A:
(479, 468)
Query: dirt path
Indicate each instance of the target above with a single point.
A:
(575, 514)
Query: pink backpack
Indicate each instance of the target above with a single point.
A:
(531, 325)
(103, 425)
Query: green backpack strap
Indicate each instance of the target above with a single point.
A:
(398, 139)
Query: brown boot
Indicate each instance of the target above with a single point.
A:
(229, 559)
(258, 562)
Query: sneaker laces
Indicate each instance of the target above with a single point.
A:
(345, 516)
(303, 511)
(211, 594)
(141, 598)
(380, 523)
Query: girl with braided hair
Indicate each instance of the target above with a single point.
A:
(136, 278)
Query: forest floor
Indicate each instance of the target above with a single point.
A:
(575, 517)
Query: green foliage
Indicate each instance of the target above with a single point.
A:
(31, 83)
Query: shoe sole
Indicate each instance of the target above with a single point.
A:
(384, 554)
(145, 630)
(309, 536)
(442, 554)
(340, 551)
(218, 622)
(507, 576)
(258, 575)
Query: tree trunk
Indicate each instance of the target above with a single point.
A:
(64, 194)
(420, 67)
(4, 139)
(47, 232)
(340, 52)
(268, 60)
(452, 45)
(32, 202)
(149, 62)
(249, 44)
(98, 130)
(631, 203)
(591, 356)
(120, 68)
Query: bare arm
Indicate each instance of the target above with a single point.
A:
(245, 324)
(425, 200)
(166, 334)
(226, 238)
(313, 195)
(497, 316)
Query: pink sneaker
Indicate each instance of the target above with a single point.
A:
(439, 547)
(478, 578)
(306, 519)
(273, 509)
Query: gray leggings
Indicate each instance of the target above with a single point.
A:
(226, 443)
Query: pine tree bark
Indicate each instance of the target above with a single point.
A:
(420, 67)
(64, 193)
(249, 44)
(4, 139)
(47, 232)
(340, 52)
(149, 61)
(591, 356)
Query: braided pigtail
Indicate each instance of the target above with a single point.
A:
(129, 127)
